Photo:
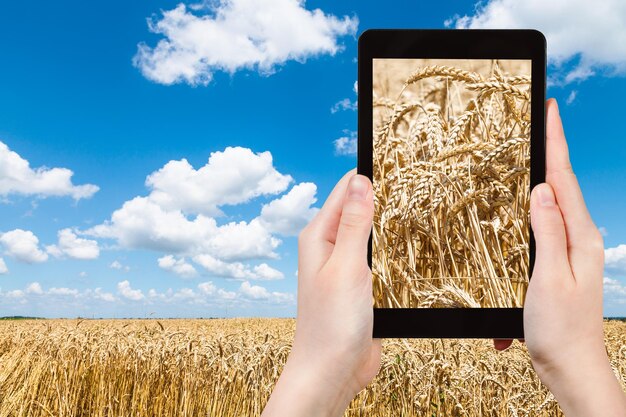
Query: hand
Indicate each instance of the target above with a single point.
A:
(563, 325)
(333, 355)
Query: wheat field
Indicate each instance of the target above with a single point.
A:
(451, 182)
(228, 367)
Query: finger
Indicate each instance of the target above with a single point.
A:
(560, 176)
(317, 239)
(326, 221)
(550, 238)
(355, 224)
(502, 344)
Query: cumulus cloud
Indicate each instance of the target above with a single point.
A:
(34, 288)
(22, 245)
(98, 293)
(3, 267)
(346, 145)
(256, 292)
(615, 258)
(236, 270)
(288, 214)
(127, 292)
(143, 224)
(73, 246)
(233, 176)
(15, 294)
(590, 34)
(207, 288)
(174, 218)
(118, 265)
(177, 266)
(17, 177)
(237, 34)
(344, 104)
(613, 287)
(265, 272)
(253, 291)
(206, 293)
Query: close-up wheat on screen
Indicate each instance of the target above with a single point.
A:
(451, 169)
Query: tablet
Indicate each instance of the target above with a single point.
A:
(452, 135)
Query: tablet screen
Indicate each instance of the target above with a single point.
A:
(451, 165)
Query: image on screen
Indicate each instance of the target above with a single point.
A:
(451, 171)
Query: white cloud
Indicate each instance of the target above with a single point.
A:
(207, 293)
(613, 287)
(231, 177)
(571, 97)
(235, 35)
(82, 274)
(73, 246)
(256, 292)
(15, 294)
(346, 145)
(177, 266)
(593, 34)
(288, 214)
(615, 258)
(65, 292)
(226, 295)
(34, 288)
(118, 265)
(127, 292)
(23, 245)
(207, 288)
(174, 220)
(143, 224)
(3, 267)
(17, 177)
(103, 295)
(237, 270)
(185, 294)
(345, 104)
(266, 272)
(164, 220)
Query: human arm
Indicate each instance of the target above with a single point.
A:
(334, 355)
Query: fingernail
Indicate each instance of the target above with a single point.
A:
(358, 187)
(546, 196)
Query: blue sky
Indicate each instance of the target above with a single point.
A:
(78, 93)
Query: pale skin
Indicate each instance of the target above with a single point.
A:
(334, 355)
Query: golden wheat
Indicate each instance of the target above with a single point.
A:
(228, 368)
(451, 183)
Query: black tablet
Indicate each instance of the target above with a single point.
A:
(452, 135)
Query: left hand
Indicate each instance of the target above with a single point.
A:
(334, 355)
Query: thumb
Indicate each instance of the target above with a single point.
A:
(355, 224)
(549, 231)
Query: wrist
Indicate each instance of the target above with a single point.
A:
(585, 387)
(306, 388)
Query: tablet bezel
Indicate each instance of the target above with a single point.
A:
(499, 323)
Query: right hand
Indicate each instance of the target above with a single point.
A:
(563, 324)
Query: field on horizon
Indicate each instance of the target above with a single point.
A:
(228, 367)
